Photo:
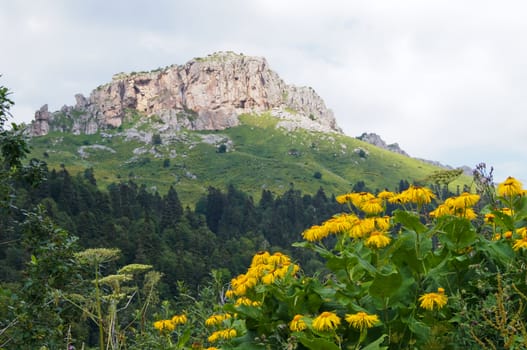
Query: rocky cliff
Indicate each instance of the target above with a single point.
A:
(203, 94)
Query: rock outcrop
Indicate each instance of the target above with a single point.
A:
(376, 140)
(203, 94)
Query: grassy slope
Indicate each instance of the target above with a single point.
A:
(262, 157)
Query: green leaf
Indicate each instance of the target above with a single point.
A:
(376, 344)
(384, 286)
(317, 343)
(410, 221)
(458, 233)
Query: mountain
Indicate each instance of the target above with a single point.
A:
(203, 94)
(214, 121)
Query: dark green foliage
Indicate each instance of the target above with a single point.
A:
(156, 139)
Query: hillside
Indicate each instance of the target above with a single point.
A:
(252, 156)
(214, 121)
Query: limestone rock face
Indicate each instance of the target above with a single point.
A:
(203, 94)
(376, 140)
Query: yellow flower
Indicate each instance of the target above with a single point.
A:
(340, 223)
(506, 211)
(510, 187)
(359, 198)
(315, 233)
(418, 194)
(260, 258)
(362, 320)
(164, 325)
(297, 324)
(371, 206)
(361, 227)
(378, 240)
(431, 300)
(242, 283)
(216, 319)
(496, 237)
(489, 218)
(385, 195)
(507, 235)
(229, 294)
(344, 198)
(224, 334)
(467, 213)
(465, 200)
(520, 244)
(440, 211)
(179, 319)
(247, 302)
(522, 232)
(383, 224)
(326, 321)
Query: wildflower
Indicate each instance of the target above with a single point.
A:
(383, 224)
(216, 319)
(224, 334)
(385, 195)
(520, 244)
(467, 213)
(326, 321)
(431, 300)
(242, 283)
(506, 211)
(440, 211)
(507, 235)
(359, 198)
(399, 199)
(489, 218)
(510, 187)
(361, 227)
(362, 320)
(179, 319)
(344, 198)
(297, 324)
(247, 302)
(465, 200)
(372, 206)
(229, 294)
(377, 240)
(315, 233)
(522, 232)
(260, 258)
(339, 223)
(164, 325)
(496, 237)
(419, 195)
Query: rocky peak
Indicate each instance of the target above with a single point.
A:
(204, 94)
(376, 140)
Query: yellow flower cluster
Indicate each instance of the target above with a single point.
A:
(459, 206)
(414, 194)
(224, 334)
(522, 242)
(429, 301)
(216, 319)
(170, 325)
(265, 268)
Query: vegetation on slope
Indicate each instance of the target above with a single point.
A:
(253, 156)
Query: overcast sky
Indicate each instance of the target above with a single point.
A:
(447, 80)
